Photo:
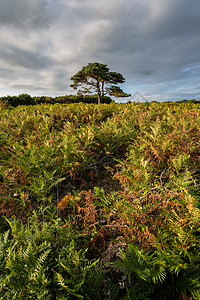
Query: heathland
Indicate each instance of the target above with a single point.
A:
(100, 201)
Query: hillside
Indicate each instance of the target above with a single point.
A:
(100, 201)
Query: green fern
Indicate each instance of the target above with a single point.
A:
(75, 269)
(162, 274)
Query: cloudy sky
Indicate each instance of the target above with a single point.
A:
(154, 44)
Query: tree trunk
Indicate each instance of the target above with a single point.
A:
(99, 98)
(99, 93)
(102, 89)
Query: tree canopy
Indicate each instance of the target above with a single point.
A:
(97, 77)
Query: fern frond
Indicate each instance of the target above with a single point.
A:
(159, 275)
(70, 291)
(6, 236)
(45, 254)
(61, 282)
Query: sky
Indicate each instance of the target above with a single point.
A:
(154, 44)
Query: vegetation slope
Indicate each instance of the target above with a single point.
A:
(100, 201)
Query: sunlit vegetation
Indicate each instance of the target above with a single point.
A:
(25, 99)
(98, 77)
(100, 201)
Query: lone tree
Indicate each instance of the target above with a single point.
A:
(97, 76)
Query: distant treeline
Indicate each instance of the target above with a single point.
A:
(25, 99)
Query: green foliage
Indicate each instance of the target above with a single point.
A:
(163, 274)
(117, 92)
(100, 178)
(24, 99)
(24, 267)
(41, 260)
(94, 77)
(75, 268)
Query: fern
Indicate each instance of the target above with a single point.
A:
(25, 265)
(76, 269)
(162, 274)
(48, 151)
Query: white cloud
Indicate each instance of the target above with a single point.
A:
(154, 44)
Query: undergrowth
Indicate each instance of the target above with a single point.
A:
(100, 201)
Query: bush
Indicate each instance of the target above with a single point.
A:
(25, 99)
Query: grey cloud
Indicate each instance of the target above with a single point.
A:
(180, 19)
(5, 73)
(154, 44)
(15, 56)
(146, 72)
(25, 14)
